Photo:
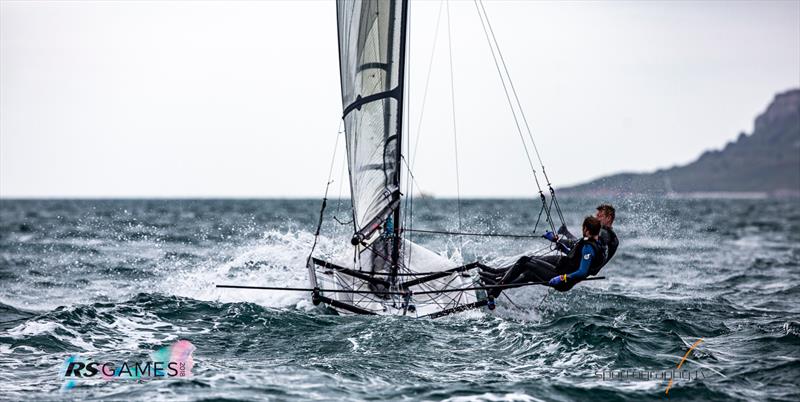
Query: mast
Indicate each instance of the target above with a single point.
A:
(401, 84)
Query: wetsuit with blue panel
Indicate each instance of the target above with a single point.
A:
(607, 240)
(585, 258)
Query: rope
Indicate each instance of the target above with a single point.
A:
(383, 256)
(455, 135)
(538, 218)
(549, 216)
(543, 299)
(339, 201)
(473, 234)
(511, 84)
(427, 82)
(486, 32)
(512, 302)
(522, 112)
(558, 207)
(510, 103)
(325, 197)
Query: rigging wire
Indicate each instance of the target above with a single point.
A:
(511, 235)
(406, 109)
(510, 104)
(409, 211)
(481, 8)
(325, 197)
(514, 114)
(427, 83)
(411, 204)
(410, 181)
(479, 3)
(339, 201)
(455, 135)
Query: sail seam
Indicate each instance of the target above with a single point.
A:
(361, 101)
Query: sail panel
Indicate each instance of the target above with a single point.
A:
(369, 56)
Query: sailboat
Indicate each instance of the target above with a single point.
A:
(387, 273)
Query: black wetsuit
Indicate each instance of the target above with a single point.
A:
(542, 269)
(607, 240)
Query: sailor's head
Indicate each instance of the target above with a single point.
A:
(591, 226)
(605, 214)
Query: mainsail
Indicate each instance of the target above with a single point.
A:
(372, 57)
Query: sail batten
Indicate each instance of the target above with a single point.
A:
(370, 57)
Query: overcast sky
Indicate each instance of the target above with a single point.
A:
(219, 99)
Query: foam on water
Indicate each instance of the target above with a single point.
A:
(123, 278)
(278, 259)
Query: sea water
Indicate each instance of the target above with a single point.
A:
(119, 279)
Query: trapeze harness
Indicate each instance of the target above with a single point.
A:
(571, 263)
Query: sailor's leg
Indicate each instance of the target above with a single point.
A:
(510, 274)
(534, 271)
(551, 259)
(527, 269)
(489, 279)
(546, 275)
(498, 273)
(495, 271)
(538, 270)
(559, 263)
(490, 276)
(515, 270)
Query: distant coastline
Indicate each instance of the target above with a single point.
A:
(765, 164)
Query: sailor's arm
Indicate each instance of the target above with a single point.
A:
(569, 243)
(586, 261)
(587, 255)
(564, 239)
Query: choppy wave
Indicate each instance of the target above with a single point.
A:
(111, 279)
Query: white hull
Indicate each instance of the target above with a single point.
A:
(419, 260)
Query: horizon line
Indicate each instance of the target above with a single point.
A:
(243, 197)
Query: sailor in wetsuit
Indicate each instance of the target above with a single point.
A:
(607, 240)
(565, 242)
(585, 258)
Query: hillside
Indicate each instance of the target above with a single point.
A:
(765, 162)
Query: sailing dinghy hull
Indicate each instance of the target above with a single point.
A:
(366, 289)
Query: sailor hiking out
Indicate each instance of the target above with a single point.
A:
(565, 241)
(385, 267)
(585, 258)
